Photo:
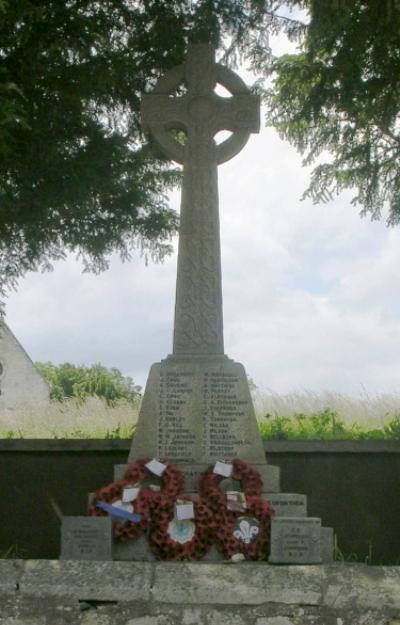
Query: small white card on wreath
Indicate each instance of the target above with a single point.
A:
(184, 511)
(235, 501)
(155, 467)
(223, 468)
(130, 493)
(122, 505)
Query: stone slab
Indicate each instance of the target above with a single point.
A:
(86, 538)
(197, 410)
(327, 544)
(288, 504)
(235, 584)
(119, 470)
(86, 580)
(10, 574)
(295, 540)
(136, 550)
(166, 593)
(213, 555)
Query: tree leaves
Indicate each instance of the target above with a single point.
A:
(67, 380)
(341, 95)
(76, 174)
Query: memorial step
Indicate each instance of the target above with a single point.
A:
(270, 475)
(90, 538)
(134, 550)
(287, 504)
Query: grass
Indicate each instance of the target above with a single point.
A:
(325, 425)
(72, 418)
(328, 415)
(364, 408)
(305, 415)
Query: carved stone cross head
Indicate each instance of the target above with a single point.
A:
(200, 112)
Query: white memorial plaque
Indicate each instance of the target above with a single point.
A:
(155, 467)
(184, 511)
(223, 468)
(129, 494)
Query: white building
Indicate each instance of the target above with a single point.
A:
(21, 385)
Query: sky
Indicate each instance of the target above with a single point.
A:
(311, 292)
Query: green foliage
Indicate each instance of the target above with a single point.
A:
(325, 425)
(338, 101)
(121, 432)
(67, 380)
(75, 171)
(392, 429)
(76, 174)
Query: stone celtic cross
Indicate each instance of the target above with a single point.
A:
(201, 114)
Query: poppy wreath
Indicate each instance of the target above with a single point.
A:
(250, 481)
(229, 544)
(124, 530)
(165, 547)
(147, 501)
(172, 479)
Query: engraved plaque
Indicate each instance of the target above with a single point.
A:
(86, 538)
(196, 413)
(295, 540)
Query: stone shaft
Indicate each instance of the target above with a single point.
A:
(198, 325)
(200, 113)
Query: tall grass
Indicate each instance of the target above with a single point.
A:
(327, 415)
(366, 409)
(299, 415)
(71, 418)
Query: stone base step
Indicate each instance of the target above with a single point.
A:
(287, 504)
(300, 541)
(196, 593)
(139, 550)
(270, 476)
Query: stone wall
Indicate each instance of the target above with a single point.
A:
(353, 486)
(126, 593)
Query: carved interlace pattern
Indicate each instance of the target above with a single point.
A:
(202, 113)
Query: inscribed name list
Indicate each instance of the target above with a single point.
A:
(201, 411)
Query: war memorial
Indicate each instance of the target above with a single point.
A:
(193, 529)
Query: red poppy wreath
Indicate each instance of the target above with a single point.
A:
(146, 499)
(112, 494)
(245, 532)
(250, 482)
(189, 539)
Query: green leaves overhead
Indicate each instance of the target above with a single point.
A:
(341, 95)
(76, 173)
